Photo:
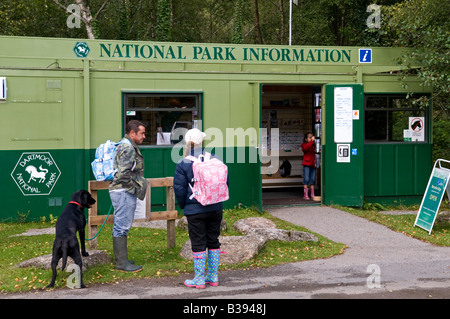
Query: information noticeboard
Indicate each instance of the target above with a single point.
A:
(343, 114)
(437, 185)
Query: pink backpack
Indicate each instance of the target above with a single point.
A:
(210, 180)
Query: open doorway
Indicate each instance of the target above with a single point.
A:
(293, 110)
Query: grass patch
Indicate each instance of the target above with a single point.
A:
(404, 224)
(148, 247)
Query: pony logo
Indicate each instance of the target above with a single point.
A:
(81, 49)
(36, 173)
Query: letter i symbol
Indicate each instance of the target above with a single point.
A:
(365, 55)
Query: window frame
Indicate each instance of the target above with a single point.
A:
(197, 95)
(389, 111)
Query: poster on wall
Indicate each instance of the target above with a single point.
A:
(343, 114)
(417, 129)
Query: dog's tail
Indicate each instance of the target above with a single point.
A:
(65, 248)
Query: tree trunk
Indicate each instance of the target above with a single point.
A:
(258, 28)
(283, 24)
(86, 17)
(85, 14)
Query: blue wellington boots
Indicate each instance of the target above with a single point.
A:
(213, 267)
(199, 268)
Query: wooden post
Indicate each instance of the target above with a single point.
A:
(148, 198)
(92, 229)
(170, 199)
(170, 214)
(93, 218)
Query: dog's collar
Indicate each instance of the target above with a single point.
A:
(72, 202)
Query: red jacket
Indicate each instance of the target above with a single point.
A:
(308, 153)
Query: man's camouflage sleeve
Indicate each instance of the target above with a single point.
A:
(130, 171)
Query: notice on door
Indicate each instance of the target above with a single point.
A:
(343, 114)
(343, 153)
(437, 185)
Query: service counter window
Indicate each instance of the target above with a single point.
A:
(394, 119)
(167, 116)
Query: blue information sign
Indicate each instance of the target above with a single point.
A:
(365, 55)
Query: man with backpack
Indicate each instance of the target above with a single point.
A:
(192, 185)
(128, 185)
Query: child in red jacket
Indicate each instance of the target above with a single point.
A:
(309, 168)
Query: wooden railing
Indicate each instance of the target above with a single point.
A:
(170, 214)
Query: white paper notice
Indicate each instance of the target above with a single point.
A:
(139, 213)
(343, 114)
(417, 129)
(343, 153)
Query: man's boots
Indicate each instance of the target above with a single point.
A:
(121, 254)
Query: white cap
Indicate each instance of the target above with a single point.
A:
(195, 136)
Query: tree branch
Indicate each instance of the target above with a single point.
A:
(101, 8)
(65, 9)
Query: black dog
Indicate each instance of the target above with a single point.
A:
(70, 222)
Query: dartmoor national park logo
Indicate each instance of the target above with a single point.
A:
(81, 49)
(36, 173)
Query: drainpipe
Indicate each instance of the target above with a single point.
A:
(86, 120)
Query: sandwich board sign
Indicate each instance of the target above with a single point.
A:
(434, 193)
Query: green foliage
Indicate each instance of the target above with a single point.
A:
(163, 25)
(51, 219)
(123, 21)
(441, 139)
(22, 217)
(336, 22)
(237, 23)
(40, 18)
(96, 28)
(423, 26)
(373, 206)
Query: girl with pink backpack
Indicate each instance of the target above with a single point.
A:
(201, 185)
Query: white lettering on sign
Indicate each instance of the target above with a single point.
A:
(35, 173)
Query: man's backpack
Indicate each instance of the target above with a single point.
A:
(210, 180)
(103, 165)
